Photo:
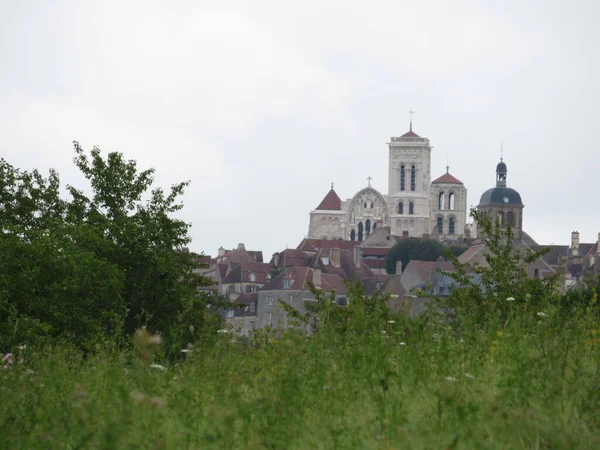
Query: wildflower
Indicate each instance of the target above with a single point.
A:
(527, 296)
(402, 343)
(391, 321)
(22, 347)
(7, 357)
(510, 299)
(186, 350)
(222, 331)
(384, 332)
(468, 375)
(499, 333)
(542, 314)
(450, 379)
(29, 372)
(159, 367)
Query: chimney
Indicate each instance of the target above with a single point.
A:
(398, 267)
(276, 259)
(575, 242)
(335, 257)
(317, 277)
(241, 246)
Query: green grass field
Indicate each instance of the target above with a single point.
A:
(530, 383)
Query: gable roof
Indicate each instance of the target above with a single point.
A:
(410, 133)
(314, 245)
(447, 179)
(331, 202)
(291, 257)
(241, 273)
(301, 276)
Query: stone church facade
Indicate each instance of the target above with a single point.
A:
(414, 205)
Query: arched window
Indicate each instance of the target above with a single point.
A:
(501, 218)
(371, 205)
(368, 227)
(360, 231)
(402, 177)
(353, 235)
(441, 201)
(413, 178)
(411, 208)
(400, 208)
(451, 226)
(374, 226)
(440, 225)
(510, 218)
(451, 201)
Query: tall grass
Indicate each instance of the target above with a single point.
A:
(530, 382)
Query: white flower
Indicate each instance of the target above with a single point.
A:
(468, 375)
(542, 314)
(159, 367)
(510, 299)
(384, 332)
(186, 350)
(391, 321)
(402, 343)
(222, 331)
(450, 379)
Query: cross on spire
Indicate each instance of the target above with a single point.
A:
(501, 151)
(369, 180)
(447, 162)
(411, 112)
(332, 185)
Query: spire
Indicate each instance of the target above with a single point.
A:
(411, 112)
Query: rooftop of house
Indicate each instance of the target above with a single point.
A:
(248, 272)
(300, 278)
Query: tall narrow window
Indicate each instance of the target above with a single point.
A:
(441, 201)
(451, 226)
(402, 177)
(353, 235)
(440, 225)
(451, 201)
(411, 208)
(413, 178)
(367, 227)
(510, 218)
(374, 226)
(360, 231)
(400, 208)
(501, 218)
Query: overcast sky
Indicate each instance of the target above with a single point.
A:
(262, 104)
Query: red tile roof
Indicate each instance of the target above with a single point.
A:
(375, 263)
(313, 245)
(410, 133)
(374, 251)
(331, 202)
(301, 276)
(447, 178)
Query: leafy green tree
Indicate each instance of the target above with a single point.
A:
(101, 265)
(420, 249)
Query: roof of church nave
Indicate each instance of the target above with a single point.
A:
(331, 202)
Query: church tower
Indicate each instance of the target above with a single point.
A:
(503, 204)
(409, 184)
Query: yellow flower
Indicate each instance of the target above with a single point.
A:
(499, 333)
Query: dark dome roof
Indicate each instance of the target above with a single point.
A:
(501, 167)
(501, 196)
